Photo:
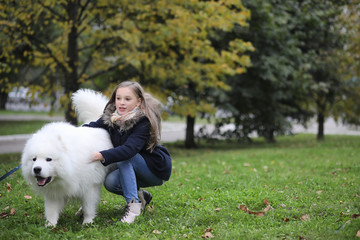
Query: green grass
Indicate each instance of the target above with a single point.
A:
(9, 112)
(20, 127)
(298, 176)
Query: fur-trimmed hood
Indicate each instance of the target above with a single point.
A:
(125, 125)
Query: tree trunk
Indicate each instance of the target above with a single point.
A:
(321, 122)
(189, 138)
(72, 80)
(269, 136)
(3, 99)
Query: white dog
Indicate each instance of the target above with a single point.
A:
(56, 160)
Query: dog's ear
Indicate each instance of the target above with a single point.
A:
(61, 142)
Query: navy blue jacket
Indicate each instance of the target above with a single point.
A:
(132, 141)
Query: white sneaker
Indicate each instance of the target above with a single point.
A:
(133, 209)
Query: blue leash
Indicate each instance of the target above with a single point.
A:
(9, 173)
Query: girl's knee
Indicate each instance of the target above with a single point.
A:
(111, 184)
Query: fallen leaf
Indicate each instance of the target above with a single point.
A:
(358, 233)
(8, 187)
(226, 171)
(12, 212)
(207, 235)
(217, 209)
(305, 217)
(319, 192)
(286, 219)
(6, 208)
(355, 215)
(268, 208)
(4, 215)
(245, 209)
(151, 208)
(28, 197)
(266, 202)
(246, 164)
(156, 232)
(259, 214)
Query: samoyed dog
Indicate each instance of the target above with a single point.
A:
(56, 160)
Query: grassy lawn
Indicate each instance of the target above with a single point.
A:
(9, 112)
(313, 189)
(20, 127)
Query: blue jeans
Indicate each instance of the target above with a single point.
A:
(131, 175)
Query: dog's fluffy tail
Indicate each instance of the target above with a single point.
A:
(89, 104)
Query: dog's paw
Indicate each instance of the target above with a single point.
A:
(50, 225)
(87, 222)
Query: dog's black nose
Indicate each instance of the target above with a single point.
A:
(37, 170)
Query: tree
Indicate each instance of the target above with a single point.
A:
(13, 58)
(169, 46)
(165, 45)
(272, 92)
(347, 108)
(79, 43)
(293, 73)
(321, 39)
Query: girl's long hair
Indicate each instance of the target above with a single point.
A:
(151, 107)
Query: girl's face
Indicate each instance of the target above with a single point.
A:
(126, 100)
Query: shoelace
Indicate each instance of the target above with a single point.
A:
(127, 210)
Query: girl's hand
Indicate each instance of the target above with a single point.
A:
(97, 157)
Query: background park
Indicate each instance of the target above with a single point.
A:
(247, 70)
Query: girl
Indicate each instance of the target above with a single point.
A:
(132, 118)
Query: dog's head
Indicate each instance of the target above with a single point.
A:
(43, 170)
(41, 159)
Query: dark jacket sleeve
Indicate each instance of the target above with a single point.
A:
(136, 141)
(97, 124)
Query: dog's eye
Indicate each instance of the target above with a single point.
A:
(48, 159)
(34, 159)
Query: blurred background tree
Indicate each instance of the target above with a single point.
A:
(321, 38)
(293, 74)
(71, 41)
(170, 48)
(347, 107)
(166, 46)
(271, 93)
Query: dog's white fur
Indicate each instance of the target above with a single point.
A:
(56, 160)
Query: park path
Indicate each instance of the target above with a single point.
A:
(170, 131)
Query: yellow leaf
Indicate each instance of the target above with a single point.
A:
(28, 197)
